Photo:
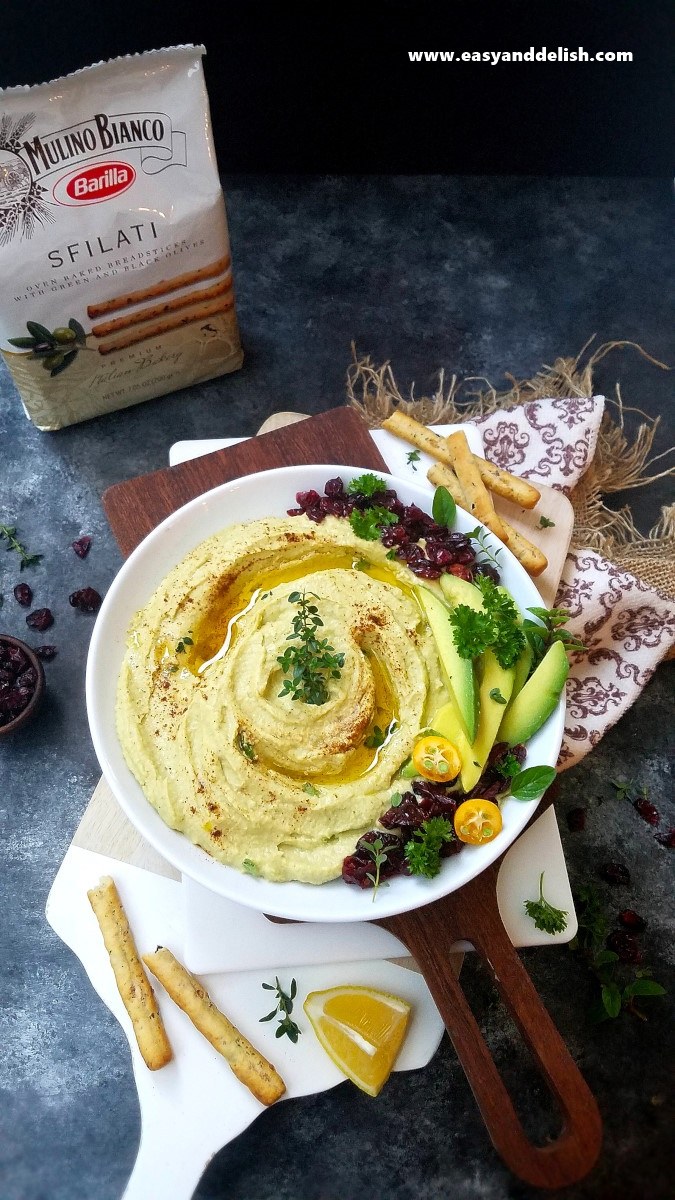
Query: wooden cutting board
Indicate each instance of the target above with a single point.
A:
(134, 508)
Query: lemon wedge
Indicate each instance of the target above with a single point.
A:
(361, 1029)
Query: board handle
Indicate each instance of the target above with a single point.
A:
(472, 913)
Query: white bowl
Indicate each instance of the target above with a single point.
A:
(264, 494)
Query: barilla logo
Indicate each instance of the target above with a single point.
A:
(94, 184)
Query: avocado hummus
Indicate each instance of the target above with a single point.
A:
(262, 781)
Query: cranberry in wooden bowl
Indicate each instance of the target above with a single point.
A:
(22, 683)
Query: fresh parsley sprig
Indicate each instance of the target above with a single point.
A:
(8, 534)
(496, 626)
(313, 662)
(367, 524)
(423, 851)
(366, 485)
(284, 1007)
(545, 916)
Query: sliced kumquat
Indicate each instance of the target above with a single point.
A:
(437, 759)
(477, 821)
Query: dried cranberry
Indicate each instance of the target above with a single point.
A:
(46, 653)
(15, 659)
(576, 819)
(625, 945)
(631, 920)
(27, 678)
(307, 499)
(86, 600)
(334, 487)
(668, 839)
(647, 810)
(41, 619)
(615, 873)
(15, 700)
(23, 595)
(82, 546)
(357, 867)
(460, 571)
(6, 678)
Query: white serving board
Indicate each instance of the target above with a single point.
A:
(195, 1105)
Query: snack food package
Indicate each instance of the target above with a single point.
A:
(114, 247)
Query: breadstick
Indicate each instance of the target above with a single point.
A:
(418, 435)
(530, 557)
(246, 1062)
(143, 332)
(443, 476)
(132, 982)
(210, 271)
(159, 310)
(502, 483)
(479, 501)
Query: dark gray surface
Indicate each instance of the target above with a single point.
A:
(477, 275)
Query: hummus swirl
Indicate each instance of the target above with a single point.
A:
(244, 772)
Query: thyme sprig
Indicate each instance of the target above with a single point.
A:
(313, 662)
(616, 996)
(284, 1007)
(489, 556)
(8, 534)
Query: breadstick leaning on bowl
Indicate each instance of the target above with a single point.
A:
(451, 472)
(132, 981)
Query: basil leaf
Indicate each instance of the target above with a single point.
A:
(444, 509)
(611, 999)
(529, 784)
(496, 695)
(646, 987)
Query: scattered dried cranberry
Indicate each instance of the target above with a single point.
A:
(46, 653)
(41, 619)
(667, 839)
(647, 810)
(625, 945)
(631, 920)
(615, 873)
(82, 546)
(86, 600)
(576, 819)
(23, 595)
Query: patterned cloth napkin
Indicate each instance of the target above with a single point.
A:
(626, 626)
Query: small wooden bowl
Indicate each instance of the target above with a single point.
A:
(31, 708)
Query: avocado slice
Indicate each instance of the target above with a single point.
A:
(460, 591)
(491, 713)
(535, 702)
(458, 670)
(522, 669)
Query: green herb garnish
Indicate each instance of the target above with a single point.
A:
(246, 747)
(545, 916)
(480, 536)
(412, 458)
(423, 851)
(8, 534)
(284, 1008)
(531, 783)
(183, 643)
(379, 854)
(361, 564)
(311, 663)
(496, 695)
(368, 524)
(544, 523)
(508, 766)
(366, 485)
(443, 508)
(310, 789)
(395, 800)
(391, 554)
(542, 636)
(378, 736)
(250, 867)
(496, 626)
